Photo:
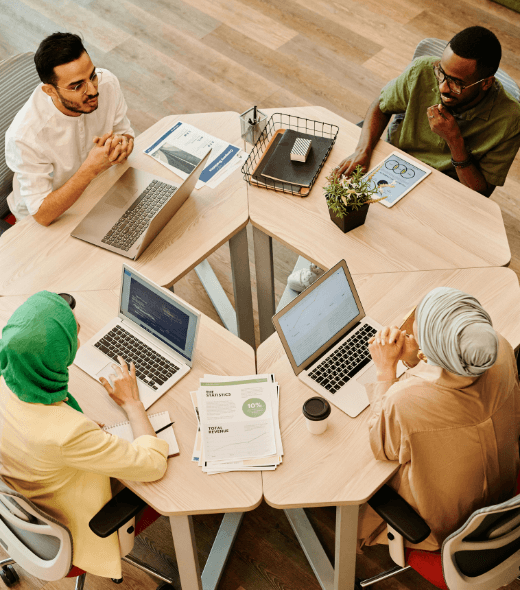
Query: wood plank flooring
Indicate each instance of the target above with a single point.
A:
(186, 56)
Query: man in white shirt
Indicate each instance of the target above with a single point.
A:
(72, 128)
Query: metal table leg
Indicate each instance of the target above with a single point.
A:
(346, 539)
(264, 281)
(238, 249)
(343, 575)
(239, 320)
(186, 552)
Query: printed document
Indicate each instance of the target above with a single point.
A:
(183, 146)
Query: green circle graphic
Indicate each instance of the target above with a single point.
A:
(253, 407)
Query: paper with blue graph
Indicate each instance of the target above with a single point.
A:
(183, 146)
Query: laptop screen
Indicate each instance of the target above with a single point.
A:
(155, 312)
(319, 316)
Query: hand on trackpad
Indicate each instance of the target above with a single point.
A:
(106, 371)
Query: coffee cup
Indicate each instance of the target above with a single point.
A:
(316, 411)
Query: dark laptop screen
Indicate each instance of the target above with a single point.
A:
(156, 313)
(319, 317)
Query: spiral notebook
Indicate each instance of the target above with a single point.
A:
(124, 430)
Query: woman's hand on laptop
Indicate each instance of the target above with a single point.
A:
(386, 348)
(125, 391)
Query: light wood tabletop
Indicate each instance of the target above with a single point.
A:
(33, 257)
(337, 468)
(440, 224)
(184, 489)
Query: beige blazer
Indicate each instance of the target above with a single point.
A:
(456, 439)
(62, 461)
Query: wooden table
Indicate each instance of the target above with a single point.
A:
(337, 468)
(184, 490)
(33, 257)
(441, 224)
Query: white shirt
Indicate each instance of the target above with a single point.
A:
(45, 147)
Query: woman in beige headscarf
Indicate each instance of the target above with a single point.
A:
(451, 420)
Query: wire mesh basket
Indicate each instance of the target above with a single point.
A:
(261, 152)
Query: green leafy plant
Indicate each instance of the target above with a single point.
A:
(345, 195)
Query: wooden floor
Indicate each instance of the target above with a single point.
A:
(187, 56)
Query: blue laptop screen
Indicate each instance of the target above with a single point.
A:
(315, 319)
(156, 313)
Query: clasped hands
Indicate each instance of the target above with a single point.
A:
(108, 150)
(388, 347)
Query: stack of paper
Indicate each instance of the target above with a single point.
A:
(238, 424)
(183, 146)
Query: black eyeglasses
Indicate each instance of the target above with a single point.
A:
(454, 85)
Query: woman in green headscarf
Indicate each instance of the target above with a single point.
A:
(49, 450)
(452, 420)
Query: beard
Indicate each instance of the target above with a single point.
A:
(81, 106)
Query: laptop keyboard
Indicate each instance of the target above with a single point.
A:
(345, 362)
(150, 367)
(127, 229)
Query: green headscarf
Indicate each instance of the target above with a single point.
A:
(38, 345)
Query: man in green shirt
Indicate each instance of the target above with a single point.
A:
(458, 117)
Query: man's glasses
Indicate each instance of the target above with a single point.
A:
(82, 87)
(455, 86)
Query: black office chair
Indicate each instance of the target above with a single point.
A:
(483, 554)
(18, 79)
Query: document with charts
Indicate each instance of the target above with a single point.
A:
(236, 419)
(183, 146)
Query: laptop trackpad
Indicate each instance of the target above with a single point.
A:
(368, 376)
(106, 371)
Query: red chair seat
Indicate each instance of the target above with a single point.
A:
(148, 516)
(428, 565)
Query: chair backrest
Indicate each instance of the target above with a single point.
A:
(18, 79)
(41, 545)
(436, 48)
(484, 554)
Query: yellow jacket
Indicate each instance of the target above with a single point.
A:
(62, 461)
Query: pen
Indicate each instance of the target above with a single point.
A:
(164, 427)
(254, 115)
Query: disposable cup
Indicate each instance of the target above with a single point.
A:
(316, 411)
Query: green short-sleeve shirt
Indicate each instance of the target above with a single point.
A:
(491, 129)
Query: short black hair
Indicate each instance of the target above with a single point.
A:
(55, 50)
(480, 44)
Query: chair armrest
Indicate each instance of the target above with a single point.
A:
(120, 509)
(399, 514)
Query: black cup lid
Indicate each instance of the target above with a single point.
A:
(316, 408)
(69, 299)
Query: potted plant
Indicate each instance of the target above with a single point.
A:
(348, 199)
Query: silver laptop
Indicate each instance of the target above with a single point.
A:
(135, 210)
(325, 334)
(154, 328)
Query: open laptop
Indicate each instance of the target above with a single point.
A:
(135, 210)
(154, 328)
(325, 334)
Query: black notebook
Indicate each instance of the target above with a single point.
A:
(260, 179)
(280, 166)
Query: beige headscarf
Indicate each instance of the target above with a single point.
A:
(455, 332)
